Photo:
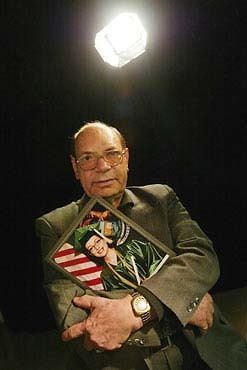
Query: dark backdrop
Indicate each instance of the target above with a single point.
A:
(181, 105)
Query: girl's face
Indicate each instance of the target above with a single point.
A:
(97, 246)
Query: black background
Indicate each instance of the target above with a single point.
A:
(181, 105)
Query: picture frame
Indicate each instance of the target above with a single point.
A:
(129, 245)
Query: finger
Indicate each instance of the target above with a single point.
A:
(204, 325)
(74, 331)
(209, 297)
(210, 301)
(210, 319)
(85, 301)
(212, 306)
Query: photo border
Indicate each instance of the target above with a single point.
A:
(82, 214)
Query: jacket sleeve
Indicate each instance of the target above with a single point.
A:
(59, 290)
(184, 279)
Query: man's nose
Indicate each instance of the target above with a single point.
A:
(102, 165)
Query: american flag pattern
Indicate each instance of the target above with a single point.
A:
(79, 266)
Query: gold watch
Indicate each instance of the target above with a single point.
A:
(141, 307)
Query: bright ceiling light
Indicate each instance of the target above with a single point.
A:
(121, 40)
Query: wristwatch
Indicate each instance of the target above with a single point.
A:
(141, 307)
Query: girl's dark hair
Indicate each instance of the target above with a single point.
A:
(98, 260)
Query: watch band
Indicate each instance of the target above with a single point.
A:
(145, 316)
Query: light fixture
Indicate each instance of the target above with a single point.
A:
(122, 40)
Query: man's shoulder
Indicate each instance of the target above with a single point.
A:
(68, 211)
(151, 192)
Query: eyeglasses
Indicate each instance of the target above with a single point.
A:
(89, 161)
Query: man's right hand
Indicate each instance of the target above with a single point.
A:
(109, 324)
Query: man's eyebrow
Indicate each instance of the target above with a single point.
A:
(91, 152)
(88, 152)
(84, 153)
(111, 148)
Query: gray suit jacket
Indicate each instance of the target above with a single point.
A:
(179, 285)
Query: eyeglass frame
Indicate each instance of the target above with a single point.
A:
(98, 156)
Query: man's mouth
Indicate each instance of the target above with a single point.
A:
(105, 182)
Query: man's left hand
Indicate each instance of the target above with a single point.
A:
(203, 316)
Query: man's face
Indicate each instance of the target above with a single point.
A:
(104, 180)
(97, 246)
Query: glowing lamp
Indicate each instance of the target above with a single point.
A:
(122, 40)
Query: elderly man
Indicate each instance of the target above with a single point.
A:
(170, 322)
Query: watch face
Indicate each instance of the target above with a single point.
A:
(140, 305)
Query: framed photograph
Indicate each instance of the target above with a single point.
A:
(103, 249)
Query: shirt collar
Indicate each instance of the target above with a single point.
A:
(128, 200)
(82, 201)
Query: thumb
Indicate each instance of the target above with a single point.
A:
(84, 302)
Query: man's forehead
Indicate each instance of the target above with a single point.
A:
(92, 136)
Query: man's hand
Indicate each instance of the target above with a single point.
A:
(203, 316)
(108, 325)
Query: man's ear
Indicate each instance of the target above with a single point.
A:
(127, 155)
(74, 165)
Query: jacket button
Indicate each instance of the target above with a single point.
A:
(139, 341)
